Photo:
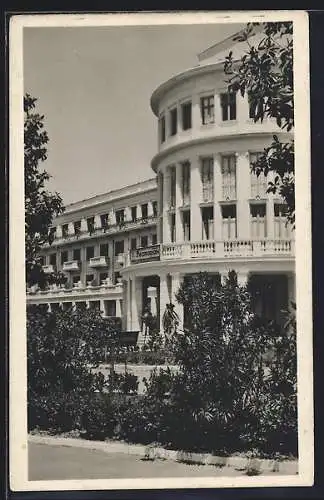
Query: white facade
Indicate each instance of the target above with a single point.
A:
(205, 211)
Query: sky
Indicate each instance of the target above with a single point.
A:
(93, 85)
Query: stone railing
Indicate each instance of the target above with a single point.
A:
(76, 290)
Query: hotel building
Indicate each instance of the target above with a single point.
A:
(203, 211)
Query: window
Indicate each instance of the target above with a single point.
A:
(258, 182)
(42, 260)
(120, 217)
(155, 208)
(207, 178)
(229, 177)
(258, 221)
(104, 249)
(104, 219)
(134, 214)
(252, 106)
(228, 105)
(173, 121)
(186, 183)
(94, 305)
(52, 259)
(186, 225)
(77, 254)
(103, 276)
(172, 187)
(64, 257)
(282, 228)
(65, 230)
(172, 228)
(90, 224)
(89, 278)
(76, 279)
(133, 244)
(229, 222)
(89, 253)
(154, 239)
(77, 227)
(162, 128)
(186, 115)
(110, 307)
(144, 211)
(119, 247)
(117, 277)
(207, 109)
(207, 216)
(80, 305)
(144, 241)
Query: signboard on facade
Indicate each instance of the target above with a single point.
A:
(146, 254)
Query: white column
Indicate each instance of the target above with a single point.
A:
(196, 115)
(176, 282)
(242, 277)
(195, 200)
(70, 229)
(164, 298)
(217, 109)
(49, 307)
(179, 121)
(243, 195)
(242, 108)
(136, 303)
(128, 214)
(102, 307)
(84, 226)
(150, 209)
(118, 308)
(166, 199)
(59, 231)
(179, 231)
(129, 304)
(217, 197)
(97, 222)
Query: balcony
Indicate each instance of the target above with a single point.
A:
(49, 269)
(147, 254)
(71, 265)
(98, 262)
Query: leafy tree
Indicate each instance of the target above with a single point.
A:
(265, 73)
(40, 205)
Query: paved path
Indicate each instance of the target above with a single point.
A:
(48, 462)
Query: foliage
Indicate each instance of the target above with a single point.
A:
(99, 418)
(40, 205)
(265, 73)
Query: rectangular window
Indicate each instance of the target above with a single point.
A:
(229, 222)
(76, 279)
(186, 225)
(252, 106)
(258, 221)
(154, 239)
(207, 216)
(119, 247)
(186, 115)
(207, 109)
(120, 217)
(90, 224)
(172, 228)
(102, 277)
(64, 256)
(144, 241)
(282, 228)
(155, 208)
(89, 253)
(228, 105)
(104, 218)
(94, 305)
(42, 260)
(134, 214)
(77, 254)
(110, 308)
(65, 230)
(144, 210)
(52, 259)
(104, 249)
(258, 182)
(133, 244)
(186, 183)
(77, 227)
(172, 187)
(162, 129)
(207, 179)
(173, 121)
(229, 177)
